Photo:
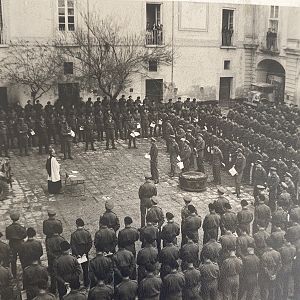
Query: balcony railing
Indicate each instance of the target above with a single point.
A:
(154, 37)
(269, 43)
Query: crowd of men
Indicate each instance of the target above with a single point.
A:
(231, 264)
(243, 252)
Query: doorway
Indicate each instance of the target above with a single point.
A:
(154, 89)
(68, 93)
(225, 88)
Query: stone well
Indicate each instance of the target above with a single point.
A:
(193, 181)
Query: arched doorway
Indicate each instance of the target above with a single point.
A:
(271, 71)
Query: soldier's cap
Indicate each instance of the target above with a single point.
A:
(128, 220)
(259, 161)
(79, 222)
(187, 199)
(227, 205)
(261, 187)
(153, 139)
(287, 174)
(211, 206)
(109, 204)
(244, 202)
(284, 185)
(30, 232)
(221, 190)
(51, 212)
(169, 216)
(15, 216)
(154, 200)
(191, 208)
(172, 136)
(148, 176)
(65, 246)
(273, 169)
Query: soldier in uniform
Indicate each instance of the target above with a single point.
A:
(3, 139)
(34, 273)
(185, 154)
(110, 216)
(192, 223)
(42, 135)
(6, 281)
(131, 133)
(239, 166)
(291, 187)
(127, 288)
(99, 120)
(295, 171)
(89, 126)
(22, 129)
(31, 249)
(211, 224)
(170, 229)
(228, 220)
(66, 138)
(220, 202)
(53, 252)
(128, 236)
(153, 160)
(146, 191)
(262, 216)
(15, 234)
(217, 158)
(174, 152)
(210, 274)
(66, 269)
(105, 238)
(244, 218)
(273, 182)
(81, 244)
(110, 132)
(51, 223)
(259, 178)
(200, 146)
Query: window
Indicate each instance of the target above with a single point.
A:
(66, 16)
(227, 27)
(68, 68)
(226, 64)
(273, 20)
(153, 65)
(154, 27)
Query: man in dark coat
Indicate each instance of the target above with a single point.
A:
(211, 224)
(110, 132)
(239, 166)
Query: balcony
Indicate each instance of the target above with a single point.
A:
(270, 43)
(155, 37)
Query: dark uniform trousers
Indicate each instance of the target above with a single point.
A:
(66, 146)
(154, 170)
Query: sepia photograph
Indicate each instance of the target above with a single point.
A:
(149, 150)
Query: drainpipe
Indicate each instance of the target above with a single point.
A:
(172, 43)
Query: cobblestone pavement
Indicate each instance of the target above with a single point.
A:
(114, 174)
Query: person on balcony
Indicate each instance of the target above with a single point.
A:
(269, 39)
(273, 40)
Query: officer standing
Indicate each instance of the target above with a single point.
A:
(259, 178)
(89, 127)
(239, 166)
(217, 158)
(105, 238)
(110, 132)
(170, 229)
(228, 219)
(81, 244)
(51, 223)
(112, 219)
(22, 129)
(262, 216)
(42, 135)
(192, 224)
(15, 234)
(273, 182)
(146, 191)
(220, 202)
(244, 218)
(200, 146)
(66, 138)
(153, 160)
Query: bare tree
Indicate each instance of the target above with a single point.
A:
(33, 65)
(106, 57)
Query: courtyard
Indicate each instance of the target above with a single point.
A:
(113, 174)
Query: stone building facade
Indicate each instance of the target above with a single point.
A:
(220, 49)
